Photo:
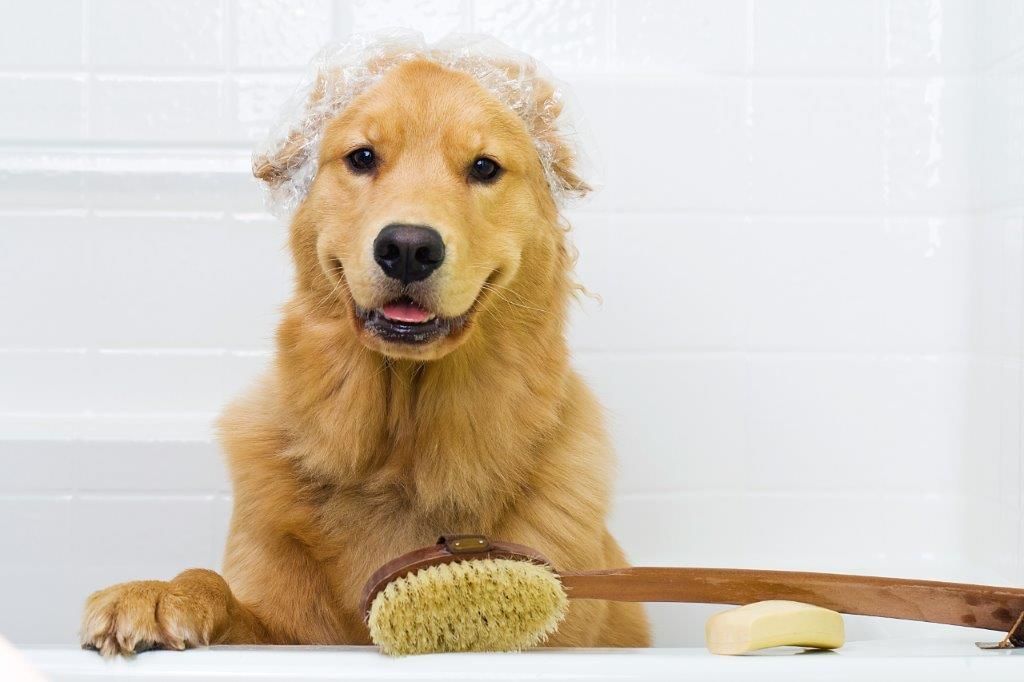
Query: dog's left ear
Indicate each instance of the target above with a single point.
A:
(546, 111)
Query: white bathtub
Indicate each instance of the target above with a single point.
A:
(932, 660)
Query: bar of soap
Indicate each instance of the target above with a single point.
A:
(766, 624)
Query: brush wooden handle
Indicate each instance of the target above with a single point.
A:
(981, 606)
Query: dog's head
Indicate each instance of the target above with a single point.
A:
(430, 197)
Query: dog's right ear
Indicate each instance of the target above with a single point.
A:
(276, 166)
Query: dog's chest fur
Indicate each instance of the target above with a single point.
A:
(350, 530)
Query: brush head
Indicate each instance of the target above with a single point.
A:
(474, 605)
(489, 600)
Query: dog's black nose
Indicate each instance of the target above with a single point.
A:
(408, 252)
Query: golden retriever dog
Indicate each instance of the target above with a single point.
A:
(421, 383)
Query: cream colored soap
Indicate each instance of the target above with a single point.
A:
(766, 624)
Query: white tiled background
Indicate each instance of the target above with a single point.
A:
(809, 241)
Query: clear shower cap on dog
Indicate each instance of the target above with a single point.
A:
(288, 158)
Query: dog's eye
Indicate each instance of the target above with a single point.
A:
(484, 170)
(362, 160)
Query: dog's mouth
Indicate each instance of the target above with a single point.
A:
(404, 320)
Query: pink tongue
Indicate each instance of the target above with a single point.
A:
(404, 311)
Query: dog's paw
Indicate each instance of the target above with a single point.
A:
(134, 617)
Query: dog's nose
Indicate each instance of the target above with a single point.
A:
(408, 252)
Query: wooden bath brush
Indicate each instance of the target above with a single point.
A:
(467, 593)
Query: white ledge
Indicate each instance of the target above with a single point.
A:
(933, 660)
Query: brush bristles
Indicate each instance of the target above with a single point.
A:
(475, 605)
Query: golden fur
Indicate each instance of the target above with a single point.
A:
(354, 450)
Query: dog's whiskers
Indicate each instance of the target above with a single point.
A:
(330, 295)
(491, 286)
(493, 289)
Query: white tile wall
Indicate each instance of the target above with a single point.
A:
(273, 34)
(555, 31)
(826, 375)
(935, 36)
(48, 33)
(156, 109)
(707, 37)
(434, 19)
(150, 34)
(49, 107)
(816, 145)
(810, 37)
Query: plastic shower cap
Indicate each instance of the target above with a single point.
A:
(288, 158)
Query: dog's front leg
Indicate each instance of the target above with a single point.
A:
(195, 608)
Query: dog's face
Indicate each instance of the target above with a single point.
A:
(428, 193)
(425, 196)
